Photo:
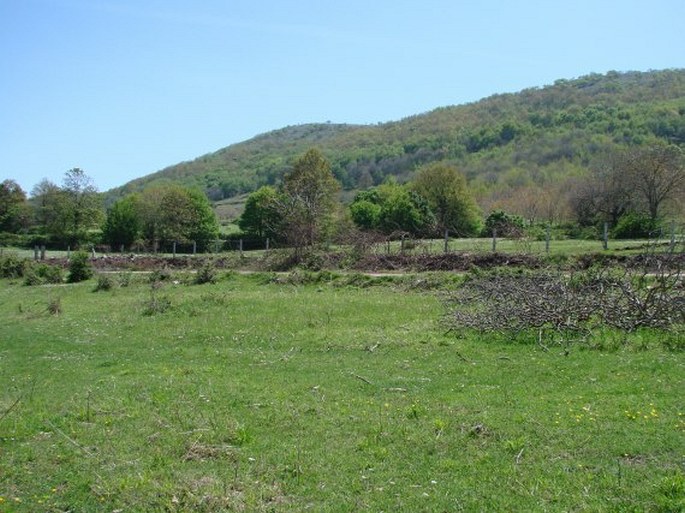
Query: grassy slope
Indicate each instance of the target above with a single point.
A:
(261, 397)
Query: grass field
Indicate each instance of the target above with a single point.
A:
(250, 395)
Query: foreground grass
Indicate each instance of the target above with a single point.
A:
(247, 395)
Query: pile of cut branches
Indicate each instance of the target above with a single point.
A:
(652, 295)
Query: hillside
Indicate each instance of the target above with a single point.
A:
(538, 136)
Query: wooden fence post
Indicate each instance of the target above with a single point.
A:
(548, 236)
(605, 236)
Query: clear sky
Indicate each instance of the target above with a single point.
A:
(123, 88)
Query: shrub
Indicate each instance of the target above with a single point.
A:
(40, 274)
(157, 304)
(11, 266)
(125, 279)
(634, 225)
(54, 306)
(105, 282)
(507, 225)
(205, 274)
(79, 268)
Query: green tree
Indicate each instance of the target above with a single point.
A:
(170, 212)
(67, 214)
(260, 217)
(84, 209)
(205, 226)
(123, 225)
(449, 198)
(307, 202)
(14, 210)
(50, 210)
(365, 214)
(402, 209)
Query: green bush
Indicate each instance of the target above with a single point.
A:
(11, 266)
(507, 225)
(634, 225)
(104, 282)
(39, 274)
(206, 274)
(79, 268)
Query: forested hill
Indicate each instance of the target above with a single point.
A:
(537, 136)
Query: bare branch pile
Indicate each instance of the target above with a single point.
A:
(625, 298)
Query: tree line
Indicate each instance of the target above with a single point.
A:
(631, 190)
(73, 215)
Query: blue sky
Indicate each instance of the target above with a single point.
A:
(123, 88)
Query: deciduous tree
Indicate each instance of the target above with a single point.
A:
(656, 174)
(14, 210)
(260, 217)
(307, 202)
(448, 196)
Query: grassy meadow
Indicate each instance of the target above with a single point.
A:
(261, 393)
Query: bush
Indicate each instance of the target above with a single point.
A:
(507, 225)
(205, 274)
(40, 274)
(634, 225)
(79, 268)
(11, 266)
(105, 282)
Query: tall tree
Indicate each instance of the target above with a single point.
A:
(51, 210)
(448, 196)
(307, 202)
(84, 204)
(14, 213)
(656, 174)
(123, 225)
(171, 212)
(260, 217)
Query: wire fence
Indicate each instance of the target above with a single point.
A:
(670, 239)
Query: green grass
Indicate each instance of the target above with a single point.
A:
(247, 395)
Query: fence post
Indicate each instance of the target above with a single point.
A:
(494, 240)
(548, 235)
(35, 252)
(605, 236)
(92, 251)
(42, 252)
(240, 247)
(173, 250)
(267, 245)
(194, 247)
